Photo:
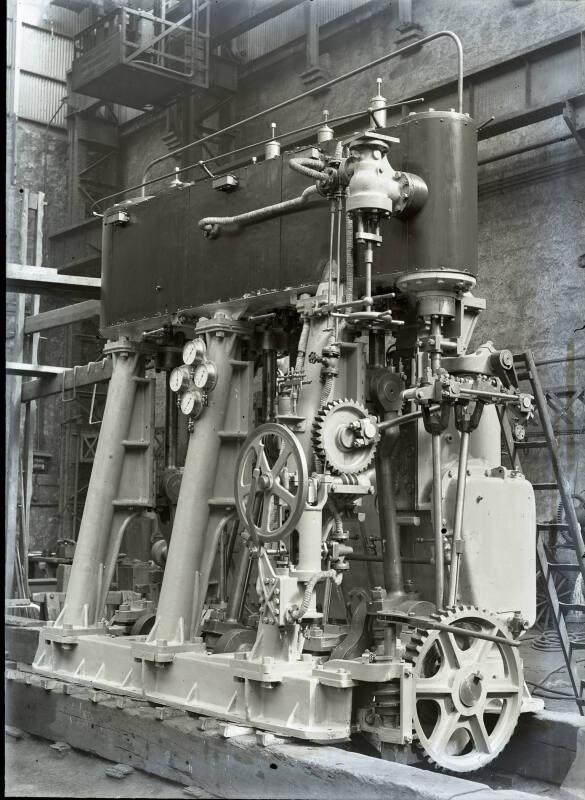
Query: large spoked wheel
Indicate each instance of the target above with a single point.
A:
(271, 482)
(467, 692)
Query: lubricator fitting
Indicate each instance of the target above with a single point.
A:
(272, 148)
(378, 106)
(325, 133)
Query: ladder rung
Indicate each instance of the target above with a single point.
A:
(222, 501)
(137, 443)
(542, 487)
(523, 376)
(564, 567)
(572, 606)
(531, 445)
(232, 435)
(552, 526)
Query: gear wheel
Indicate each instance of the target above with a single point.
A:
(344, 436)
(467, 692)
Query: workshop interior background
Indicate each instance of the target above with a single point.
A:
(524, 85)
(75, 149)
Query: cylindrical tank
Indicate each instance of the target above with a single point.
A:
(440, 147)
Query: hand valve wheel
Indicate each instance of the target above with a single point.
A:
(271, 482)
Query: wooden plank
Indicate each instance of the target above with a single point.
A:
(177, 749)
(13, 418)
(30, 410)
(58, 317)
(25, 370)
(44, 280)
(67, 379)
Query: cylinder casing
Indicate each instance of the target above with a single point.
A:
(440, 147)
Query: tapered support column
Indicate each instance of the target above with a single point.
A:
(98, 514)
(184, 560)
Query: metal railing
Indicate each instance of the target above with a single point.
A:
(176, 47)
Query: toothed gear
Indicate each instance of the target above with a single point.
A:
(346, 450)
(468, 692)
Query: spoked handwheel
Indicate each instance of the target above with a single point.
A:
(271, 482)
(467, 691)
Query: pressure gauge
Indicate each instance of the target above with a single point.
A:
(192, 403)
(205, 376)
(194, 351)
(180, 378)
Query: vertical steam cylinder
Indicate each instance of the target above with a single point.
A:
(441, 147)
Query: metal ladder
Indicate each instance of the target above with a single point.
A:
(526, 369)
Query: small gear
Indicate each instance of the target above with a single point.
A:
(467, 691)
(345, 436)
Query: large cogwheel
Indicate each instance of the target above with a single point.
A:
(345, 436)
(467, 691)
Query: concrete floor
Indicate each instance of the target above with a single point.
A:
(34, 770)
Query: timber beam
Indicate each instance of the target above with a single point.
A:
(44, 280)
(67, 381)
(57, 317)
(25, 370)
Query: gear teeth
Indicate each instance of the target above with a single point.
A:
(451, 615)
(320, 447)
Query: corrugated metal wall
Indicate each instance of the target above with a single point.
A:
(45, 52)
(289, 26)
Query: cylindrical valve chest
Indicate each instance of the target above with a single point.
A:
(440, 147)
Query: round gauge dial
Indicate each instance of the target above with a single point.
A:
(194, 351)
(179, 378)
(205, 376)
(192, 403)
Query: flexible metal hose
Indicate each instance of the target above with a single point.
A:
(349, 262)
(300, 612)
(311, 167)
(260, 213)
(302, 348)
(329, 383)
(337, 521)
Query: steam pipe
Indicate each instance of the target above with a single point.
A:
(259, 114)
(310, 167)
(202, 162)
(110, 565)
(260, 213)
(389, 527)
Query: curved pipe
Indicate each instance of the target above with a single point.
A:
(311, 167)
(109, 567)
(394, 54)
(207, 223)
(300, 612)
